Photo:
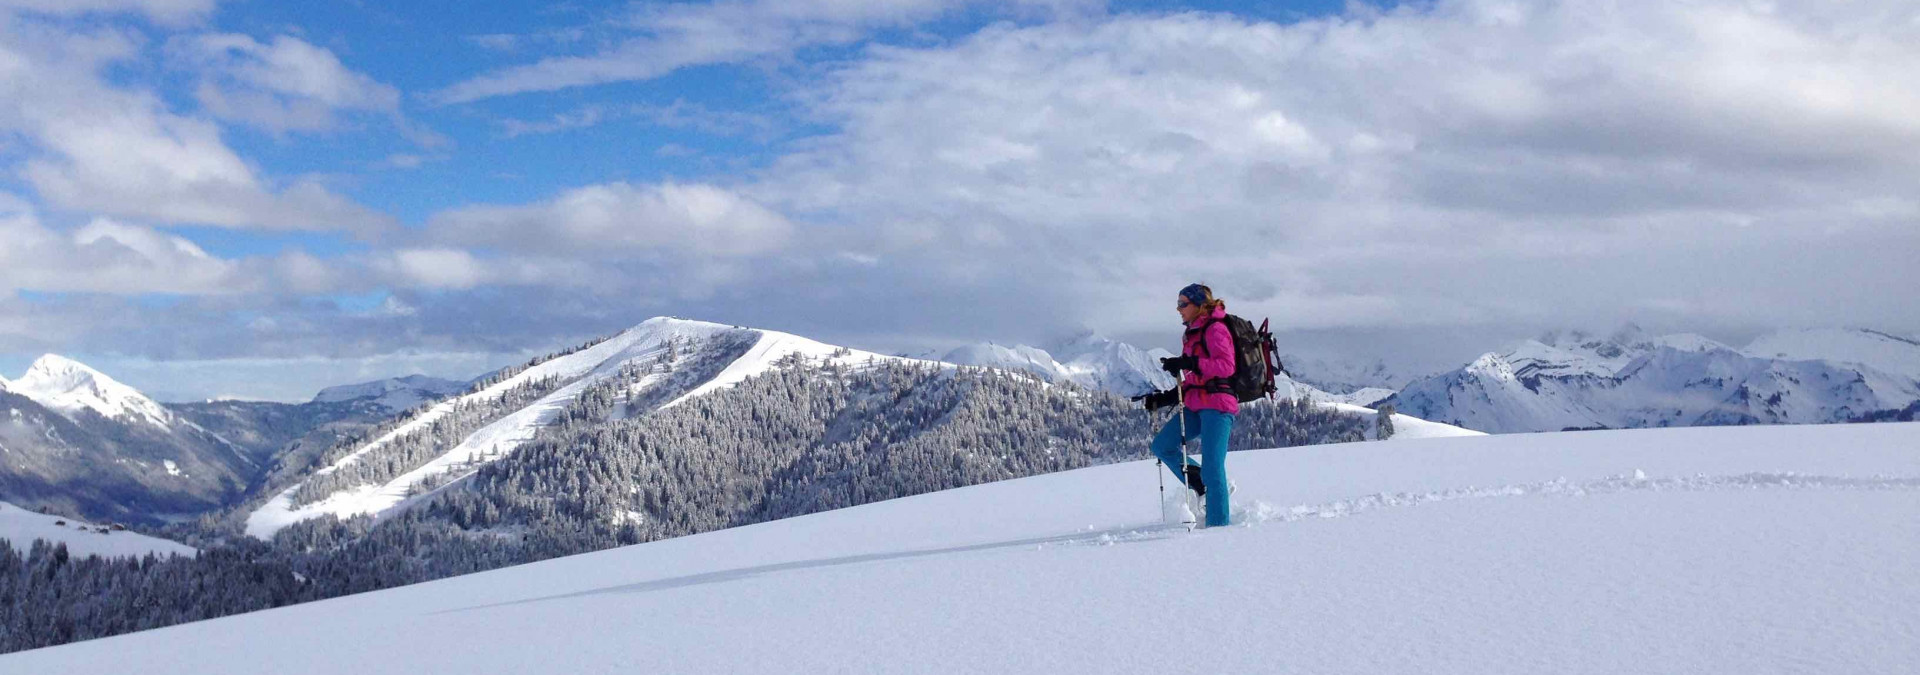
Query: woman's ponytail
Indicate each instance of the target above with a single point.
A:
(1200, 294)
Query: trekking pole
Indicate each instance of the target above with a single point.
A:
(1180, 390)
(1156, 466)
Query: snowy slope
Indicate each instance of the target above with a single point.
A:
(1019, 358)
(21, 527)
(580, 370)
(1337, 375)
(773, 346)
(1087, 359)
(394, 393)
(1287, 387)
(68, 386)
(1880, 351)
(1407, 427)
(1736, 550)
(1098, 362)
(1489, 395)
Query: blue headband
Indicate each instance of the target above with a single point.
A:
(1195, 294)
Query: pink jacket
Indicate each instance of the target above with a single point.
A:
(1216, 360)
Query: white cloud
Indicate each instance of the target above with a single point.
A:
(1455, 163)
(440, 268)
(116, 151)
(578, 119)
(114, 258)
(664, 37)
(282, 85)
(105, 256)
(501, 42)
(169, 12)
(1462, 171)
(678, 115)
(617, 219)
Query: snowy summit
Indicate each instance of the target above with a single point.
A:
(1087, 359)
(678, 359)
(68, 386)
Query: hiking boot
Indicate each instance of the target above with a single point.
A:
(1194, 482)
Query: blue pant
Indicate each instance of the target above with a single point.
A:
(1212, 428)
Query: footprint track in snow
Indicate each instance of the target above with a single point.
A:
(1260, 512)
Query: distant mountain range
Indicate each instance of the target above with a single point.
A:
(1343, 376)
(394, 394)
(80, 442)
(1627, 380)
(1087, 359)
(620, 386)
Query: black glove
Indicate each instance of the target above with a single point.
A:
(1158, 399)
(1173, 365)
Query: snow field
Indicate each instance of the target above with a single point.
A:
(1770, 549)
(21, 527)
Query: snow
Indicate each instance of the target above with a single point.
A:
(773, 346)
(399, 393)
(21, 527)
(1761, 549)
(1578, 382)
(1408, 427)
(1087, 359)
(1334, 373)
(1879, 351)
(1366, 396)
(67, 387)
(1532, 357)
(1687, 342)
(1361, 398)
(582, 370)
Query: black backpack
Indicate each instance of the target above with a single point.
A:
(1255, 361)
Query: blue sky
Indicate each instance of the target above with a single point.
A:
(260, 199)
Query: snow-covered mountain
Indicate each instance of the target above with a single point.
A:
(1100, 363)
(79, 441)
(1119, 368)
(22, 526)
(69, 387)
(664, 360)
(1884, 352)
(1087, 359)
(1673, 550)
(658, 365)
(1579, 381)
(1343, 376)
(395, 393)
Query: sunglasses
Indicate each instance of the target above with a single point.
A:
(1183, 304)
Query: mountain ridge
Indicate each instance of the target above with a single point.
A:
(1819, 376)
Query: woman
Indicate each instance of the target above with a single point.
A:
(1206, 358)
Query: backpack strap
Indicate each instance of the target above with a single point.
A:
(1214, 385)
(1202, 329)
